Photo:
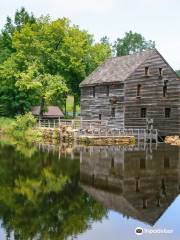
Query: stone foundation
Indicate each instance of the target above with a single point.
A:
(105, 141)
(68, 135)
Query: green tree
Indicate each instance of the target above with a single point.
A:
(46, 85)
(132, 43)
(178, 72)
(35, 72)
(12, 100)
(48, 59)
(105, 40)
(61, 49)
(83, 56)
(21, 18)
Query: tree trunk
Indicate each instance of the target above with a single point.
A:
(74, 106)
(42, 107)
(65, 107)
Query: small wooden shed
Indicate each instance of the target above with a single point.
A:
(53, 112)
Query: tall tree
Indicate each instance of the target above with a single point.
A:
(61, 49)
(46, 85)
(132, 43)
(82, 56)
(12, 100)
(43, 54)
(21, 18)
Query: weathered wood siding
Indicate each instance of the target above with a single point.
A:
(128, 106)
(92, 106)
(151, 97)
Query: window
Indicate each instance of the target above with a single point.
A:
(165, 88)
(138, 90)
(107, 90)
(160, 72)
(164, 91)
(143, 112)
(94, 92)
(167, 112)
(113, 112)
(100, 116)
(146, 71)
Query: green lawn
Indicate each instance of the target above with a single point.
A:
(69, 105)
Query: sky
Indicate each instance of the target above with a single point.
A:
(156, 20)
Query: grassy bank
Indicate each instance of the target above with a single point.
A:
(21, 127)
(6, 124)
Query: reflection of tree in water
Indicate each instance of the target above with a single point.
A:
(41, 197)
(23, 146)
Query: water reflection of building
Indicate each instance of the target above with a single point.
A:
(139, 184)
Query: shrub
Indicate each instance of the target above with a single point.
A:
(6, 124)
(24, 122)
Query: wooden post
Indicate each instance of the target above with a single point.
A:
(81, 122)
(156, 136)
(144, 135)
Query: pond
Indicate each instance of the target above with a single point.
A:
(84, 193)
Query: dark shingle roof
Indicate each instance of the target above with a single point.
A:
(116, 69)
(53, 111)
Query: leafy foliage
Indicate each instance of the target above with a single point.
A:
(132, 43)
(178, 72)
(47, 59)
(23, 122)
(6, 124)
(21, 18)
(13, 100)
(41, 197)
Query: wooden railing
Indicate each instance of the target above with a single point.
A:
(75, 124)
(113, 132)
(139, 134)
(99, 128)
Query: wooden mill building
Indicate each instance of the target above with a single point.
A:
(127, 91)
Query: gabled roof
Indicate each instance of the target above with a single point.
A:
(127, 205)
(117, 69)
(53, 111)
